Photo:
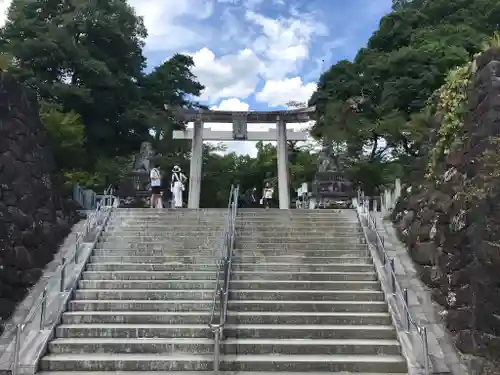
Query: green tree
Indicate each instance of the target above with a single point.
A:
(377, 104)
(86, 57)
(66, 136)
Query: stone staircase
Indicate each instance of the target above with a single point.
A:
(144, 301)
(304, 298)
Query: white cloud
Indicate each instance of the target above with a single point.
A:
(276, 49)
(284, 42)
(232, 104)
(278, 93)
(4, 6)
(233, 75)
(171, 24)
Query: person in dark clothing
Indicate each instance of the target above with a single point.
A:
(252, 198)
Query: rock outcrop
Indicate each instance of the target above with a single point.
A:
(451, 222)
(33, 218)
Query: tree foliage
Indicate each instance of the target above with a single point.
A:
(378, 103)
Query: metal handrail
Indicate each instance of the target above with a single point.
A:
(93, 220)
(399, 294)
(221, 292)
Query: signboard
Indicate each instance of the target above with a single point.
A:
(240, 132)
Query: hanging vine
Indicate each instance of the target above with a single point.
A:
(451, 104)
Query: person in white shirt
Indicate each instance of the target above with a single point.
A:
(155, 177)
(267, 195)
(177, 186)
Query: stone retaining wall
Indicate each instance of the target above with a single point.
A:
(451, 225)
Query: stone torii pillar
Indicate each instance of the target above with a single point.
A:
(283, 175)
(196, 163)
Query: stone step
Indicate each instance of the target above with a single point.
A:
(310, 331)
(229, 346)
(242, 305)
(317, 276)
(306, 295)
(174, 222)
(123, 226)
(152, 275)
(244, 294)
(298, 239)
(301, 267)
(166, 222)
(297, 232)
(308, 306)
(179, 253)
(305, 285)
(316, 346)
(275, 236)
(145, 259)
(150, 295)
(341, 251)
(141, 305)
(136, 317)
(234, 317)
(184, 362)
(235, 284)
(381, 364)
(256, 237)
(131, 345)
(291, 259)
(304, 221)
(152, 267)
(296, 246)
(174, 246)
(203, 372)
(159, 227)
(250, 267)
(166, 234)
(133, 330)
(267, 227)
(301, 259)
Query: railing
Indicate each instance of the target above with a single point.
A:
(40, 317)
(224, 269)
(400, 295)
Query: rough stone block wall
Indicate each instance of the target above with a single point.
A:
(452, 225)
(33, 218)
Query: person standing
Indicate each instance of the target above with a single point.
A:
(252, 199)
(177, 185)
(267, 195)
(155, 178)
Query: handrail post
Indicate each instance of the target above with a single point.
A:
(217, 351)
(407, 313)
(62, 285)
(17, 349)
(43, 308)
(393, 277)
(425, 345)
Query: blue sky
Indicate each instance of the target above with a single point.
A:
(262, 53)
(256, 54)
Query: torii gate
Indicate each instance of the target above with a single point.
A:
(239, 133)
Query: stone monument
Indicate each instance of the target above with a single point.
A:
(331, 186)
(134, 190)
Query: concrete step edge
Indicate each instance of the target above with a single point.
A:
(230, 313)
(229, 341)
(226, 358)
(264, 291)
